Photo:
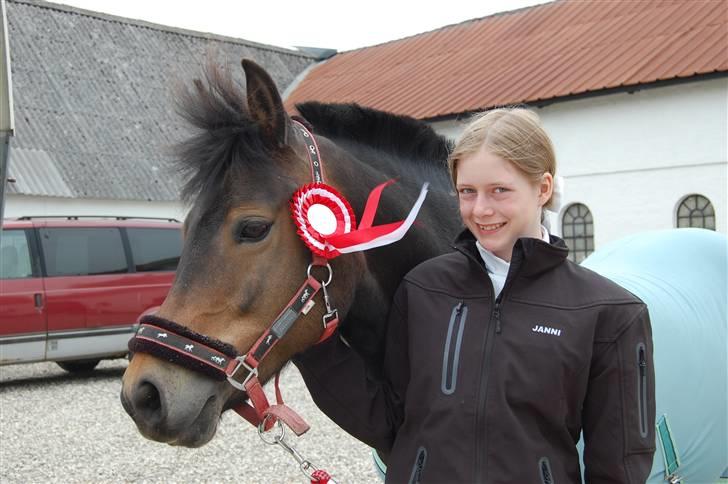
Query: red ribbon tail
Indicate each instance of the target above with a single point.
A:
(372, 204)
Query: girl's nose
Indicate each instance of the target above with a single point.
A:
(483, 208)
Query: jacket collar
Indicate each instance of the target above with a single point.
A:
(534, 256)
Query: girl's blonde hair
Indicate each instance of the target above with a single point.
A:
(514, 134)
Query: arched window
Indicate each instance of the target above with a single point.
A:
(696, 211)
(577, 228)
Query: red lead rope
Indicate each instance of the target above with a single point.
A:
(261, 413)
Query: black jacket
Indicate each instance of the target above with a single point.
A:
(494, 391)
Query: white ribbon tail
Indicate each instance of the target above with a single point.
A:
(395, 235)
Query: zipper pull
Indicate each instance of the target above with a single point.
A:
(497, 318)
(459, 308)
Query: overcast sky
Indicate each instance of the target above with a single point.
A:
(339, 25)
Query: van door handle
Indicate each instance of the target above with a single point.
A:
(38, 301)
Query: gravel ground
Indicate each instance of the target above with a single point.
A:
(57, 427)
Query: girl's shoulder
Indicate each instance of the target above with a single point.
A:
(598, 285)
(453, 273)
(570, 286)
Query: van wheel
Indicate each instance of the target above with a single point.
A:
(78, 366)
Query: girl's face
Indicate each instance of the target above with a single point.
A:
(498, 203)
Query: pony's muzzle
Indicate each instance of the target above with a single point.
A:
(172, 405)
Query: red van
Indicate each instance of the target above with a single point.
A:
(73, 288)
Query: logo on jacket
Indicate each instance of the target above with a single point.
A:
(546, 330)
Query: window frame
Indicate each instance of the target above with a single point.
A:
(689, 218)
(571, 240)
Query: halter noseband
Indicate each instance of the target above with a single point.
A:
(219, 360)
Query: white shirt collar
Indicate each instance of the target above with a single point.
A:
(493, 263)
(545, 235)
(498, 266)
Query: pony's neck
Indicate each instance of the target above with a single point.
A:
(356, 172)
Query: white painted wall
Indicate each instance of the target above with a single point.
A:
(22, 205)
(631, 158)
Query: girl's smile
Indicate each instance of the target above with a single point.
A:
(491, 228)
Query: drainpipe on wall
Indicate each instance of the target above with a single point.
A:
(6, 106)
(4, 158)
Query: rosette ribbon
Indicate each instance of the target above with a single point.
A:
(327, 225)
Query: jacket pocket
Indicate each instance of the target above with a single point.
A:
(544, 471)
(419, 466)
(642, 389)
(638, 392)
(451, 354)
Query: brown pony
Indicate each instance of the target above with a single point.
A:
(242, 259)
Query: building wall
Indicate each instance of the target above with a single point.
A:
(632, 157)
(24, 205)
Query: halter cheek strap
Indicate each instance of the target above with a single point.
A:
(312, 150)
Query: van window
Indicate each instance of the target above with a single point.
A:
(83, 251)
(155, 249)
(15, 255)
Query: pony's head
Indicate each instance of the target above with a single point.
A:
(242, 259)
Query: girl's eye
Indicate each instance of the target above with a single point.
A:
(252, 231)
(466, 191)
(501, 190)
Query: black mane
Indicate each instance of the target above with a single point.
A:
(403, 136)
(225, 136)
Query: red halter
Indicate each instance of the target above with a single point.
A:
(219, 360)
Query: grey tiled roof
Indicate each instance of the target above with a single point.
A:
(94, 116)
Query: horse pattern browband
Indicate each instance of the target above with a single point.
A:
(181, 345)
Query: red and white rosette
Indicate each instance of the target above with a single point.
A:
(320, 212)
(326, 222)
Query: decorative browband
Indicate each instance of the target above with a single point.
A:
(180, 345)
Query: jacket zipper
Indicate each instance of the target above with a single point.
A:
(496, 313)
(481, 444)
(498, 307)
(451, 355)
(642, 389)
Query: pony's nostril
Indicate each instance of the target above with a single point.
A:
(147, 401)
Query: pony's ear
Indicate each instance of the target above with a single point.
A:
(265, 103)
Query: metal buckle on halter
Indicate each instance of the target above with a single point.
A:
(331, 313)
(328, 318)
(327, 266)
(251, 373)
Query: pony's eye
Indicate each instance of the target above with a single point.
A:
(252, 231)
